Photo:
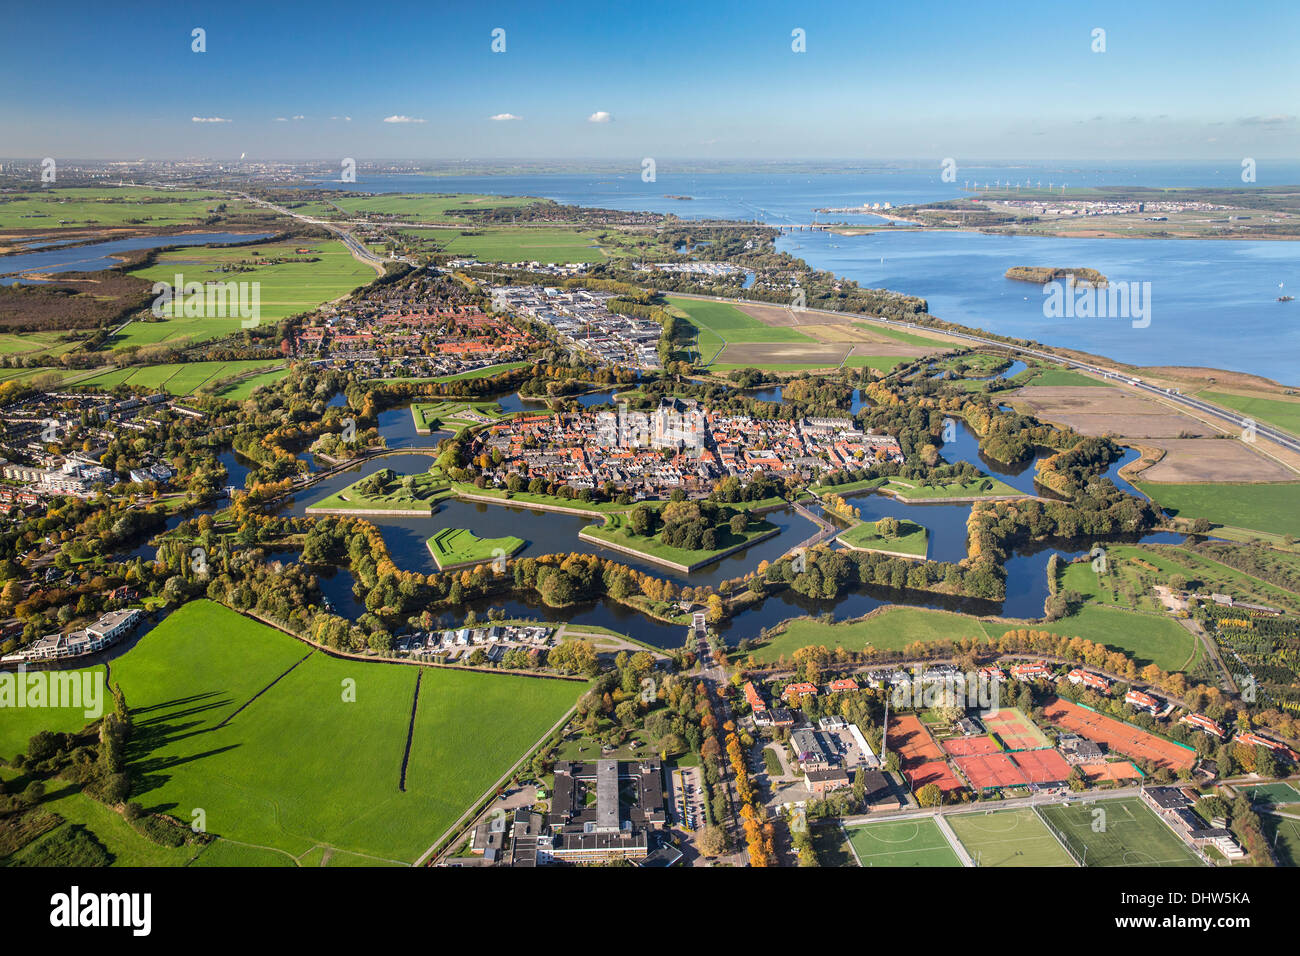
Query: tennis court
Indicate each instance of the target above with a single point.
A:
(998, 770)
(1123, 832)
(1119, 736)
(971, 746)
(1014, 728)
(921, 759)
(1271, 793)
(1008, 838)
(902, 843)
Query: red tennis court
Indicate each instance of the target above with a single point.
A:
(1119, 736)
(971, 746)
(989, 771)
(920, 758)
(1115, 770)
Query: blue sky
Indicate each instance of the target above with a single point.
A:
(1178, 80)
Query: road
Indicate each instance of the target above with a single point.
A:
(355, 246)
(1276, 435)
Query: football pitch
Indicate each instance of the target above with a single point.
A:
(1008, 838)
(902, 843)
(1272, 793)
(1121, 832)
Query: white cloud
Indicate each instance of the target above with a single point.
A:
(300, 117)
(504, 117)
(281, 119)
(208, 119)
(403, 119)
(600, 116)
(346, 119)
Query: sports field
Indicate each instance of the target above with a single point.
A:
(1119, 736)
(1271, 793)
(287, 748)
(1283, 834)
(902, 843)
(1008, 838)
(543, 244)
(1123, 832)
(990, 771)
(1014, 729)
(919, 756)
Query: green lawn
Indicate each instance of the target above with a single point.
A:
(476, 373)
(1127, 833)
(984, 487)
(1150, 638)
(902, 843)
(453, 416)
(286, 288)
(1262, 507)
(1283, 834)
(1008, 838)
(413, 207)
(454, 546)
(20, 724)
(912, 538)
(302, 765)
(719, 322)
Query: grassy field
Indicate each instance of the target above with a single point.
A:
(912, 538)
(413, 207)
(476, 373)
(1272, 794)
(1150, 638)
(453, 546)
(453, 416)
(614, 531)
(1283, 833)
(1265, 507)
(540, 244)
(20, 724)
(1272, 411)
(902, 843)
(1063, 376)
(426, 489)
(892, 628)
(299, 765)
(286, 288)
(720, 323)
(109, 206)
(1129, 834)
(985, 487)
(186, 378)
(1008, 838)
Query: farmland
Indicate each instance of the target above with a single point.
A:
(107, 207)
(189, 377)
(290, 282)
(1261, 507)
(262, 733)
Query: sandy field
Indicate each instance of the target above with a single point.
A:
(1104, 410)
(1208, 460)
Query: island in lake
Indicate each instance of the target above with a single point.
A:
(1044, 274)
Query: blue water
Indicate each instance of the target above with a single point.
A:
(98, 255)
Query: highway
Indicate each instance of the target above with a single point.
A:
(1275, 435)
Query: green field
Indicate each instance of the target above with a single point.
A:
(912, 538)
(541, 244)
(1283, 834)
(57, 208)
(889, 629)
(452, 416)
(185, 378)
(299, 766)
(1273, 411)
(424, 491)
(476, 373)
(720, 323)
(1063, 376)
(613, 531)
(1262, 507)
(1008, 838)
(413, 207)
(456, 546)
(286, 288)
(1129, 834)
(20, 724)
(1149, 638)
(902, 843)
(1273, 794)
(985, 487)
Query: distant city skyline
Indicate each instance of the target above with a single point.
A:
(1175, 81)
